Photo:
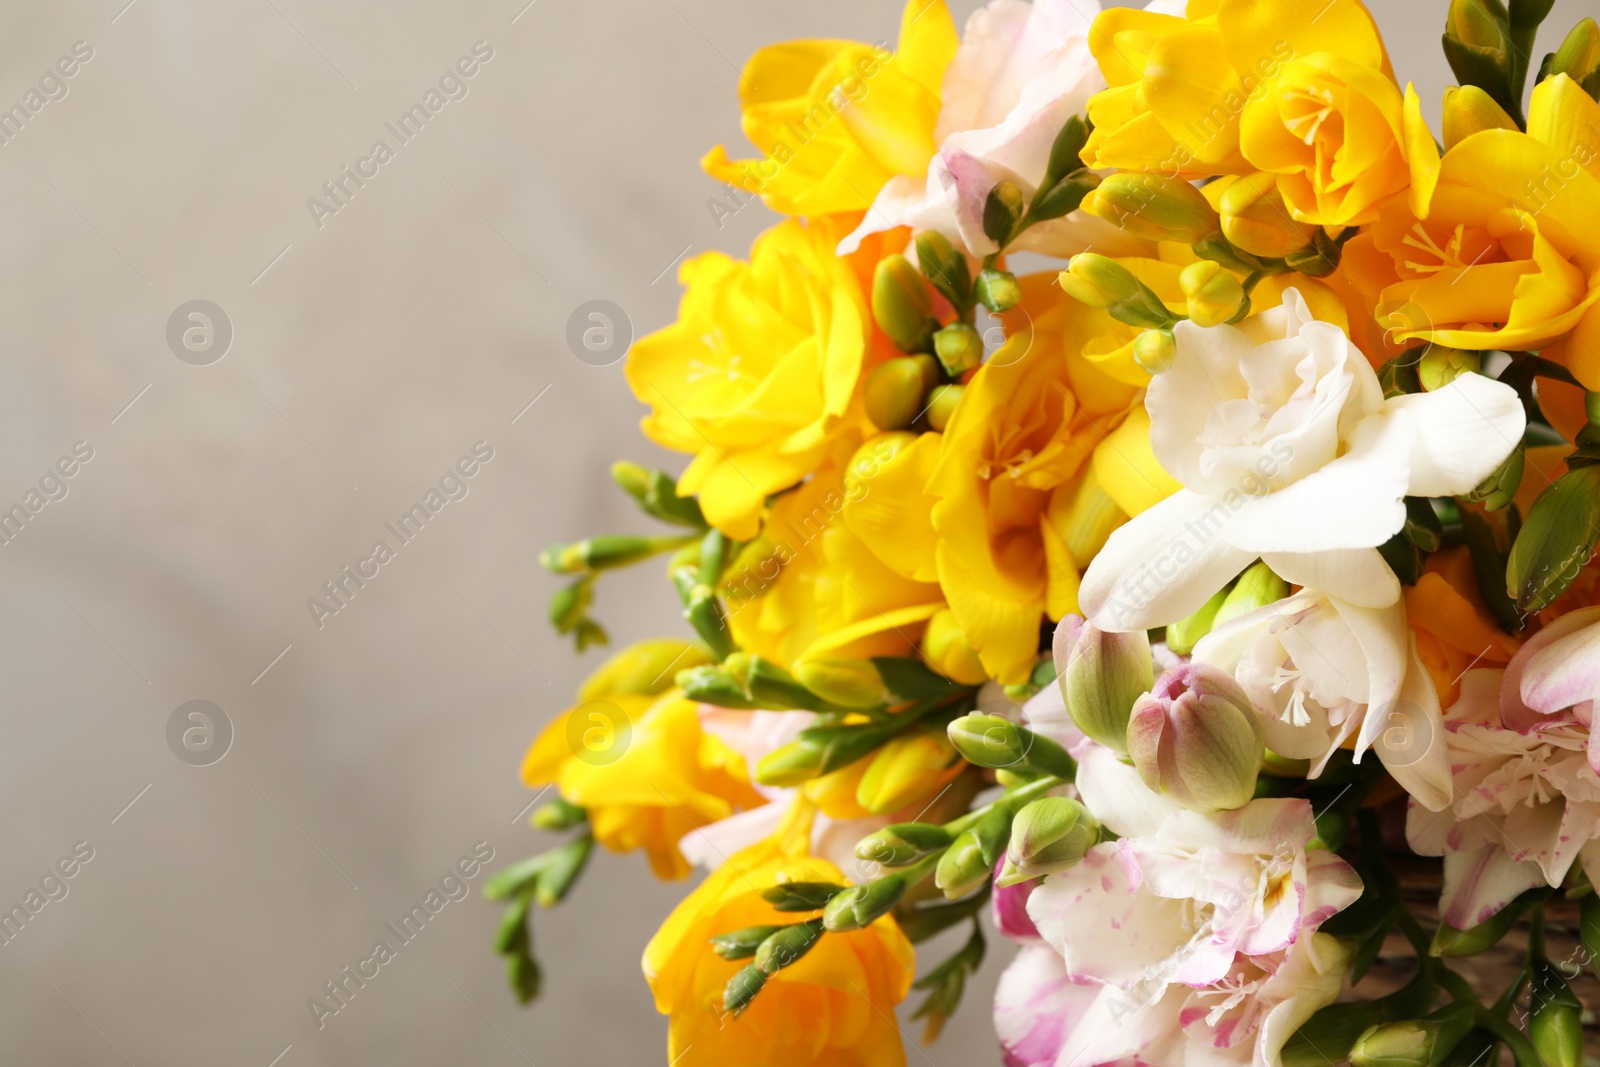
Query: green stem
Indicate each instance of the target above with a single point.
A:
(1536, 934)
(1013, 801)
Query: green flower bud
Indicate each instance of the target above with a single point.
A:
(742, 988)
(1049, 835)
(991, 741)
(742, 944)
(1469, 110)
(1556, 540)
(524, 977)
(561, 869)
(959, 348)
(1328, 1036)
(1579, 55)
(800, 896)
(901, 304)
(942, 405)
(820, 749)
(1414, 1042)
(1556, 1025)
(1452, 943)
(1318, 259)
(769, 684)
(902, 843)
(1154, 350)
(1256, 588)
(569, 608)
(849, 683)
(1473, 23)
(1066, 151)
(657, 494)
(1195, 738)
(1153, 206)
(859, 906)
(1183, 635)
(998, 290)
(787, 946)
(558, 815)
(962, 867)
(944, 267)
(1101, 675)
(604, 553)
(1257, 221)
(1098, 281)
(896, 388)
(1064, 197)
(708, 684)
(1439, 366)
(1002, 210)
(1214, 295)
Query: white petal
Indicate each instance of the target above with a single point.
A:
(1386, 651)
(1410, 738)
(1162, 565)
(1356, 575)
(1357, 501)
(1118, 797)
(1464, 432)
(1203, 376)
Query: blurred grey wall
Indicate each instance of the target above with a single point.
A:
(352, 360)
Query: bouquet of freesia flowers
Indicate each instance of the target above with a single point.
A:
(1184, 609)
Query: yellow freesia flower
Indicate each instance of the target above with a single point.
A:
(825, 593)
(1027, 423)
(755, 379)
(1237, 86)
(835, 120)
(834, 1007)
(640, 763)
(1505, 257)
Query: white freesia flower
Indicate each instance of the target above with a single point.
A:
(1288, 451)
(1523, 752)
(1190, 940)
(1321, 670)
(1023, 69)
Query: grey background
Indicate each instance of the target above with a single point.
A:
(367, 357)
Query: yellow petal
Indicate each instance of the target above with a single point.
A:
(1567, 119)
(1422, 154)
(1127, 469)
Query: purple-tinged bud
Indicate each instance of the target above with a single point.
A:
(1195, 738)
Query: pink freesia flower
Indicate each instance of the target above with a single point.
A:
(1022, 71)
(1527, 796)
(1189, 941)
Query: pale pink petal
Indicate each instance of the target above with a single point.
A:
(1480, 882)
(1561, 664)
(1037, 1006)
